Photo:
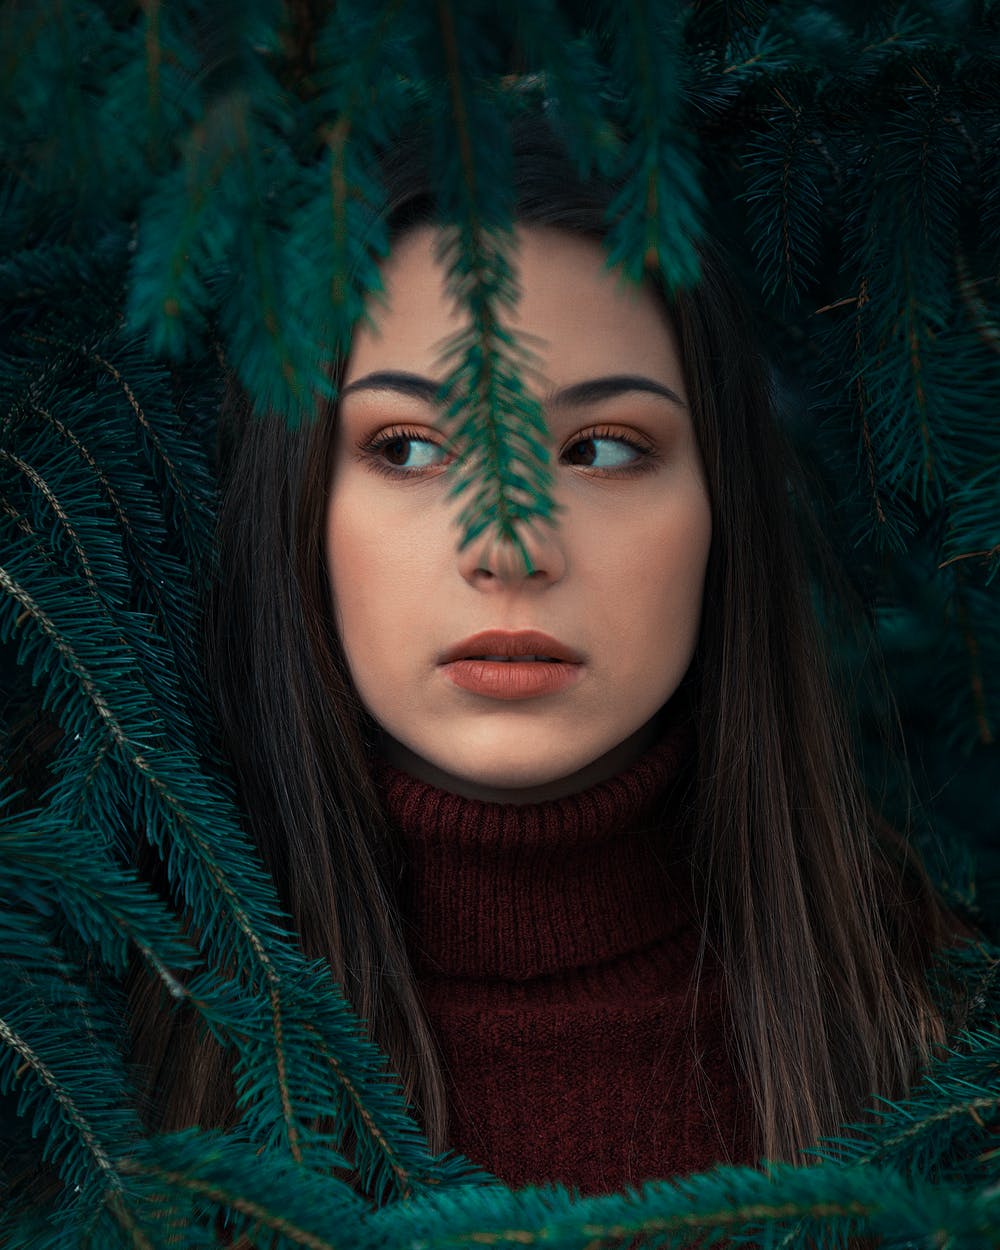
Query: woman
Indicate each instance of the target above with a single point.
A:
(620, 915)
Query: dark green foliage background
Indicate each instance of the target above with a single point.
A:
(188, 189)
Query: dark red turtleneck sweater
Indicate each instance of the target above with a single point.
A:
(554, 945)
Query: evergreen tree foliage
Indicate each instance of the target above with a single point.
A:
(187, 189)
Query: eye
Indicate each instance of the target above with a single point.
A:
(610, 451)
(401, 452)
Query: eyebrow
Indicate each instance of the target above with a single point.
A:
(592, 391)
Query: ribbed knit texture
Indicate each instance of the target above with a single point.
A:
(554, 945)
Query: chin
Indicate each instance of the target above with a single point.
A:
(516, 777)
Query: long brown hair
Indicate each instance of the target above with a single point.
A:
(822, 920)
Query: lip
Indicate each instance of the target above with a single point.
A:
(508, 679)
(513, 643)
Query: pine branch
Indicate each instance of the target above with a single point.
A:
(785, 175)
(71, 873)
(58, 1053)
(574, 87)
(656, 218)
(946, 1126)
(365, 75)
(501, 423)
(274, 1204)
(902, 260)
(796, 1207)
(212, 867)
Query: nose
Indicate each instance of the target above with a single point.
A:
(491, 565)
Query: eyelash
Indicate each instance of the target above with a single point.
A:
(648, 457)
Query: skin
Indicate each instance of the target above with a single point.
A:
(620, 579)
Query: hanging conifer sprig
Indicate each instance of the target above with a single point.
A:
(656, 218)
(211, 243)
(573, 87)
(499, 430)
(365, 80)
(785, 197)
(905, 271)
(974, 518)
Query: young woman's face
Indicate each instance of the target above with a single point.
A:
(619, 581)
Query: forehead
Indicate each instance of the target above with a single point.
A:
(575, 316)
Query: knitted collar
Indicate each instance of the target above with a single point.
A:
(516, 891)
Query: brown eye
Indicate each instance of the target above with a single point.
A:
(396, 450)
(584, 448)
(408, 452)
(616, 452)
(402, 453)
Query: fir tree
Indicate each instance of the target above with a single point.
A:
(188, 190)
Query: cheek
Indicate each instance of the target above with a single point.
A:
(684, 545)
(377, 567)
(656, 578)
(353, 567)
